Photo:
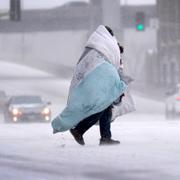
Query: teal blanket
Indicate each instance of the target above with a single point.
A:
(94, 93)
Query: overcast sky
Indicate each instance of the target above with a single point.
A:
(31, 4)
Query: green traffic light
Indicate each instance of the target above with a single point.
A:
(140, 27)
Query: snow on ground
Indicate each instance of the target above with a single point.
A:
(149, 149)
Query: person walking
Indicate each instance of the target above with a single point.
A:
(96, 84)
(104, 117)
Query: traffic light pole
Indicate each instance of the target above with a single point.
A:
(15, 10)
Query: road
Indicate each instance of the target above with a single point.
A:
(149, 148)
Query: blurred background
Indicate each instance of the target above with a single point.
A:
(48, 36)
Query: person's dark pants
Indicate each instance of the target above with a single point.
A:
(104, 119)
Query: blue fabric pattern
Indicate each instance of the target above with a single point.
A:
(93, 94)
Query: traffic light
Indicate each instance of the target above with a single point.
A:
(15, 10)
(140, 21)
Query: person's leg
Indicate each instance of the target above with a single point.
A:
(83, 126)
(87, 123)
(105, 123)
(105, 128)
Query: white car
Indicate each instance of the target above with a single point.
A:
(172, 109)
(27, 108)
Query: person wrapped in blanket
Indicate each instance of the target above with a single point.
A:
(98, 84)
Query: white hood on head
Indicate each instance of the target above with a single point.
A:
(104, 42)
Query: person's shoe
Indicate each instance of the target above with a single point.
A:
(77, 136)
(108, 141)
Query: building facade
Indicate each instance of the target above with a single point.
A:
(168, 45)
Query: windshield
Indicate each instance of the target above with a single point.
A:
(26, 100)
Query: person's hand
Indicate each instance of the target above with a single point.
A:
(121, 48)
(120, 98)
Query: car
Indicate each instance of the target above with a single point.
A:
(3, 99)
(27, 108)
(172, 106)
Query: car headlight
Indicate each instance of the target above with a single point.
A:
(15, 119)
(46, 111)
(47, 118)
(15, 111)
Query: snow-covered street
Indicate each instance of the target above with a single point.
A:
(149, 148)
